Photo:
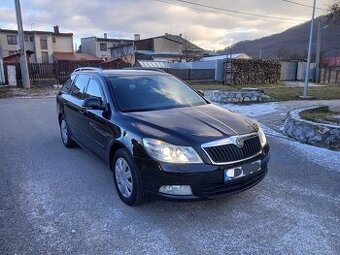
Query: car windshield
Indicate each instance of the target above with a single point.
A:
(156, 92)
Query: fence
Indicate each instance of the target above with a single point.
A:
(193, 74)
(59, 71)
(330, 75)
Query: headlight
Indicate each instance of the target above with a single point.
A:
(262, 137)
(169, 153)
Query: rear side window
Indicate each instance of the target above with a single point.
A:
(79, 86)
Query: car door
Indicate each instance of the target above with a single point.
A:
(97, 124)
(73, 108)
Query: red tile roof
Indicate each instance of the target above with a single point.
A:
(70, 56)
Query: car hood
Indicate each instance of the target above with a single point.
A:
(197, 124)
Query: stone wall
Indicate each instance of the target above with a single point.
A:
(243, 96)
(319, 134)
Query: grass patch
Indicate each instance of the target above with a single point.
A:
(278, 91)
(5, 92)
(321, 115)
(284, 93)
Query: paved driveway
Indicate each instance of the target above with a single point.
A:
(59, 201)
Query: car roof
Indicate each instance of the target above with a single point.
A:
(122, 72)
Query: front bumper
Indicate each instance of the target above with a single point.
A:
(206, 181)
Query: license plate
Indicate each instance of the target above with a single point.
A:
(241, 171)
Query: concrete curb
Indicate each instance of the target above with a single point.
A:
(318, 134)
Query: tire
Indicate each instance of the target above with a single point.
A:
(127, 178)
(65, 134)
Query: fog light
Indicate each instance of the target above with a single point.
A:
(179, 190)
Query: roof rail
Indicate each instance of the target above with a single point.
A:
(145, 68)
(87, 69)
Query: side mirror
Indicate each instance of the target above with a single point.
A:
(93, 103)
(201, 92)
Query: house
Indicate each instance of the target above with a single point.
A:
(41, 44)
(100, 47)
(168, 47)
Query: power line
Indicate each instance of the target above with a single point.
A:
(238, 12)
(277, 19)
(217, 12)
(304, 5)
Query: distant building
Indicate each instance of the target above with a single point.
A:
(225, 56)
(41, 45)
(168, 47)
(100, 47)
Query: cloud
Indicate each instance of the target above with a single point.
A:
(123, 18)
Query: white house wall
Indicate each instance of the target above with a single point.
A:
(62, 44)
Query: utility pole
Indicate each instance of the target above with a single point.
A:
(260, 55)
(305, 90)
(22, 52)
(317, 60)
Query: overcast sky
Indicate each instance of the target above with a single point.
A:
(123, 18)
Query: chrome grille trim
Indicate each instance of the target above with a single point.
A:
(227, 141)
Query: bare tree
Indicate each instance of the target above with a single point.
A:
(190, 51)
(283, 52)
(126, 53)
(334, 15)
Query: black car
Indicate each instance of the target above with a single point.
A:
(160, 136)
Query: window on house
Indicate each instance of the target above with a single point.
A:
(44, 57)
(31, 38)
(43, 43)
(26, 38)
(103, 47)
(12, 39)
(53, 39)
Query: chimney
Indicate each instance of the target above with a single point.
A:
(180, 35)
(166, 33)
(137, 37)
(56, 29)
(105, 35)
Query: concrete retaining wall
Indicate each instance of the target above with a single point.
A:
(319, 134)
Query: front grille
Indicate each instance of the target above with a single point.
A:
(222, 189)
(231, 153)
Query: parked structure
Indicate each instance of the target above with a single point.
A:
(227, 56)
(168, 47)
(100, 47)
(41, 45)
(211, 63)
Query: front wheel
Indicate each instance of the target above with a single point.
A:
(127, 178)
(65, 134)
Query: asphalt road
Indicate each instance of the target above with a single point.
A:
(55, 200)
